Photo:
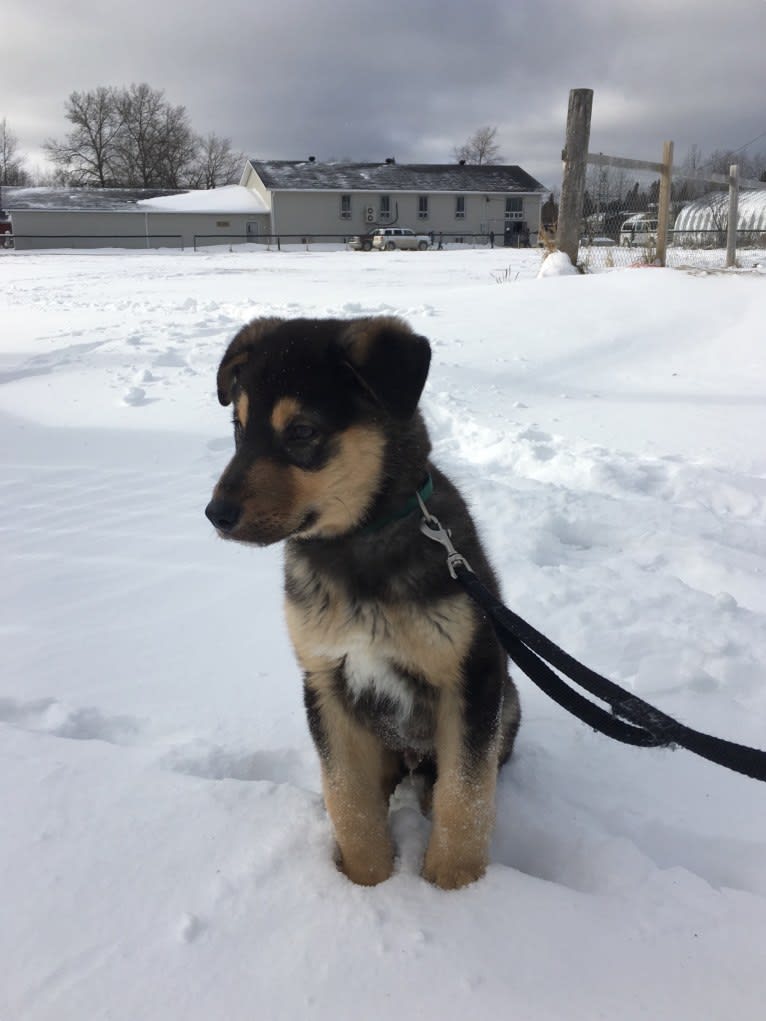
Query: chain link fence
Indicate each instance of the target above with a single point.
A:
(619, 226)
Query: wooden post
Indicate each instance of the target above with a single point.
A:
(731, 229)
(663, 211)
(575, 157)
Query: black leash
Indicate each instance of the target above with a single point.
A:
(631, 719)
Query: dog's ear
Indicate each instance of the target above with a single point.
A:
(389, 360)
(237, 353)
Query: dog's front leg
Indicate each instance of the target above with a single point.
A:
(356, 779)
(463, 800)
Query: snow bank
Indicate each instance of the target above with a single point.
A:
(163, 844)
(556, 264)
(231, 198)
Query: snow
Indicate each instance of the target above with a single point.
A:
(556, 264)
(163, 846)
(231, 198)
(79, 199)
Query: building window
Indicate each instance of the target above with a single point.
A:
(345, 207)
(422, 207)
(514, 209)
(385, 207)
(460, 207)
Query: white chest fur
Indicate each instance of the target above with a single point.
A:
(369, 668)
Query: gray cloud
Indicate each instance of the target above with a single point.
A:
(366, 80)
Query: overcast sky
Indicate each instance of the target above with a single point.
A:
(367, 79)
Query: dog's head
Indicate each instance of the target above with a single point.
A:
(315, 402)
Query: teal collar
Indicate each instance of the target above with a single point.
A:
(413, 504)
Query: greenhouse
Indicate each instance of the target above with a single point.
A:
(703, 222)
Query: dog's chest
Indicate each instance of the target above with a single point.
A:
(366, 652)
(386, 661)
(389, 660)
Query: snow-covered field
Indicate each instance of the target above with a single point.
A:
(164, 852)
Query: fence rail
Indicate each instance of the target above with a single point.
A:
(438, 239)
(148, 241)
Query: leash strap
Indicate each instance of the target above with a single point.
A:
(631, 720)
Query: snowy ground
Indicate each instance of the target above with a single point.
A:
(164, 852)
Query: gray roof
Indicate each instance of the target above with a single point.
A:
(294, 175)
(83, 199)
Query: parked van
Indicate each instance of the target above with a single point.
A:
(638, 230)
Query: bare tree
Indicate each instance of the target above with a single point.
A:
(692, 166)
(608, 187)
(750, 164)
(128, 137)
(480, 149)
(140, 142)
(88, 156)
(216, 163)
(12, 168)
(178, 147)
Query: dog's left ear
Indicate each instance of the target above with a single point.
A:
(238, 352)
(390, 361)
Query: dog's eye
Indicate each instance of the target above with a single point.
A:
(300, 432)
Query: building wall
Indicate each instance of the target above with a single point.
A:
(62, 229)
(211, 228)
(35, 229)
(319, 213)
(251, 180)
(300, 214)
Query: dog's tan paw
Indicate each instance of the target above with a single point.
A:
(449, 875)
(366, 873)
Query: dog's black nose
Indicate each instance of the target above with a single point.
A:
(223, 514)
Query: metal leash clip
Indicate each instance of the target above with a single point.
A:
(432, 528)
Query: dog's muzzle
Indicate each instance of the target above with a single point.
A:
(223, 514)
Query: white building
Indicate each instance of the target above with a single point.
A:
(306, 197)
(290, 200)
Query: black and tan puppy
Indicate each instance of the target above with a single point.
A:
(401, 672)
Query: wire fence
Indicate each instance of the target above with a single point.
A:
(620, 214)
(693, 249)
(434, 240)
(612, 238)
(77, 242)
(437, 240)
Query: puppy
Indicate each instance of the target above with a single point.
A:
(402, 673)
